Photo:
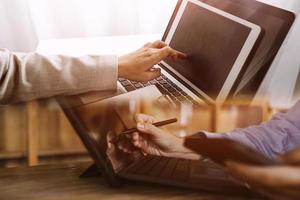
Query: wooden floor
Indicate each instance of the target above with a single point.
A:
(62, 182)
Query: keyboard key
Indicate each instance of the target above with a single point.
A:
(182, 98)
(138, 164)
(177, 88)
(161, 89)
(150, 164)
(146, 85)
(169, 168)
(130, 88)
(157, 169)
(134, 82)
(167, 85)
(181, 172)
(168, 80)
(166, 92)
(162, 82)
(138, 85)
(159, 79)
(125, 83)
(183, 93)
(153, 82)
(173, 98)
(176, 94)
(190, 98)
(171, 89)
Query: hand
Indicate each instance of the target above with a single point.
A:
(274, 182)
(139, 65)
(155, 141)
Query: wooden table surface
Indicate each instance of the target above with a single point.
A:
(62, 182)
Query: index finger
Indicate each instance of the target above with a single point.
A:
(158, 44)
(142, 118)
(168, 51)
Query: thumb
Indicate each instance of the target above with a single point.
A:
(149, 129)
(153, 73)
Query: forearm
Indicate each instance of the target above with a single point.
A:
(30, 76)
(279, 135)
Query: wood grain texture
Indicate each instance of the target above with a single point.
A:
(63, 182)
(33, 133)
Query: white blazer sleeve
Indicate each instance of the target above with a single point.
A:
(30, 76)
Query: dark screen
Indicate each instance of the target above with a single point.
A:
(274, 21)
(212, 43)
(104, 127)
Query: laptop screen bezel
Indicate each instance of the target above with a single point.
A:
(239, 63)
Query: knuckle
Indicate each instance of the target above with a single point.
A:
(147, 44)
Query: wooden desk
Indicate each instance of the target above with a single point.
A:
(63, 182)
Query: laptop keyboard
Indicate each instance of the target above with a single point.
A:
(174, 168)
(165, 86)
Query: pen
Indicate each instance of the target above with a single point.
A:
(158, 124)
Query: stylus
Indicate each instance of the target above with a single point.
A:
(158, 124)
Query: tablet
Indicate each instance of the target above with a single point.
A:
(221, 150)
(217, 43)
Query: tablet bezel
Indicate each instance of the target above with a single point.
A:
(240, 61)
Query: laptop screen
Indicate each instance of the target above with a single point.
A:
(276, 23)
(212, 42)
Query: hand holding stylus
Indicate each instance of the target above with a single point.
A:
(152, 140)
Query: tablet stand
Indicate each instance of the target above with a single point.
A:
(93, 170)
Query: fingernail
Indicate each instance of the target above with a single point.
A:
(140, 126)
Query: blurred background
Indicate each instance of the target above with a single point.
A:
(24, 24)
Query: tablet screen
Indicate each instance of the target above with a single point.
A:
(213, 43)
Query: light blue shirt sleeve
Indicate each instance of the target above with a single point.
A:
(277, 136)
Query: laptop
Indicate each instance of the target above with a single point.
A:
(218, 45)
(275, 22)
(181, 83)
(100, 123)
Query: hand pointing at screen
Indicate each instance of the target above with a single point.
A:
(139, 65)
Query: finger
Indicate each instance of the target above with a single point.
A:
(152, 74)
(158, 44)
(142, 118)
(135, 136)
(178, 55)
(278, 176)
(168, 51)
(150, 129)
(137, 144)
(111, 139)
